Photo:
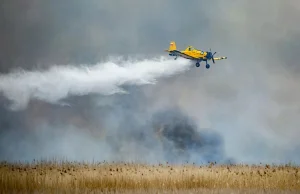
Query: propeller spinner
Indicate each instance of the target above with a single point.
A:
(211, 56)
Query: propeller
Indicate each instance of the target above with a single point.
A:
(211, 56)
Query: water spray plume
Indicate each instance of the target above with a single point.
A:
(106, 78)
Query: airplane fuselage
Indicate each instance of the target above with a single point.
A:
(190, 53)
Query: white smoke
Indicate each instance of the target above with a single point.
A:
(104, 78)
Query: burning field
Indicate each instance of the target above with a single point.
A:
(74, 177)
(134, 157)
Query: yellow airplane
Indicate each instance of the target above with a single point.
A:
(194, 54)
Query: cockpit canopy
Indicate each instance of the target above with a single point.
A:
(190, 48)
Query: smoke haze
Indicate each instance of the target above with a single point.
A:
(249, 102)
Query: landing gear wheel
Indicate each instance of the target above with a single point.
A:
(197, 64)
(207, 66)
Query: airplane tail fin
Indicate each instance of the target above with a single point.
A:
(172, 46)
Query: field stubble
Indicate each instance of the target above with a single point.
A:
(74, 177)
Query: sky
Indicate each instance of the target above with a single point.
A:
(251, 99)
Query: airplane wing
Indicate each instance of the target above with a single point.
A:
(220, 58)
(178, 53)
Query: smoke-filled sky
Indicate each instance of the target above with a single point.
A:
(252, 99)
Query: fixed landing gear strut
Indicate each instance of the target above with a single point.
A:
(207, 65)
(198, 63)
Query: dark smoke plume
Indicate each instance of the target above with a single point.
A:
(183, 141)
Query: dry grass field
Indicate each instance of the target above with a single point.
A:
(73, 177)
